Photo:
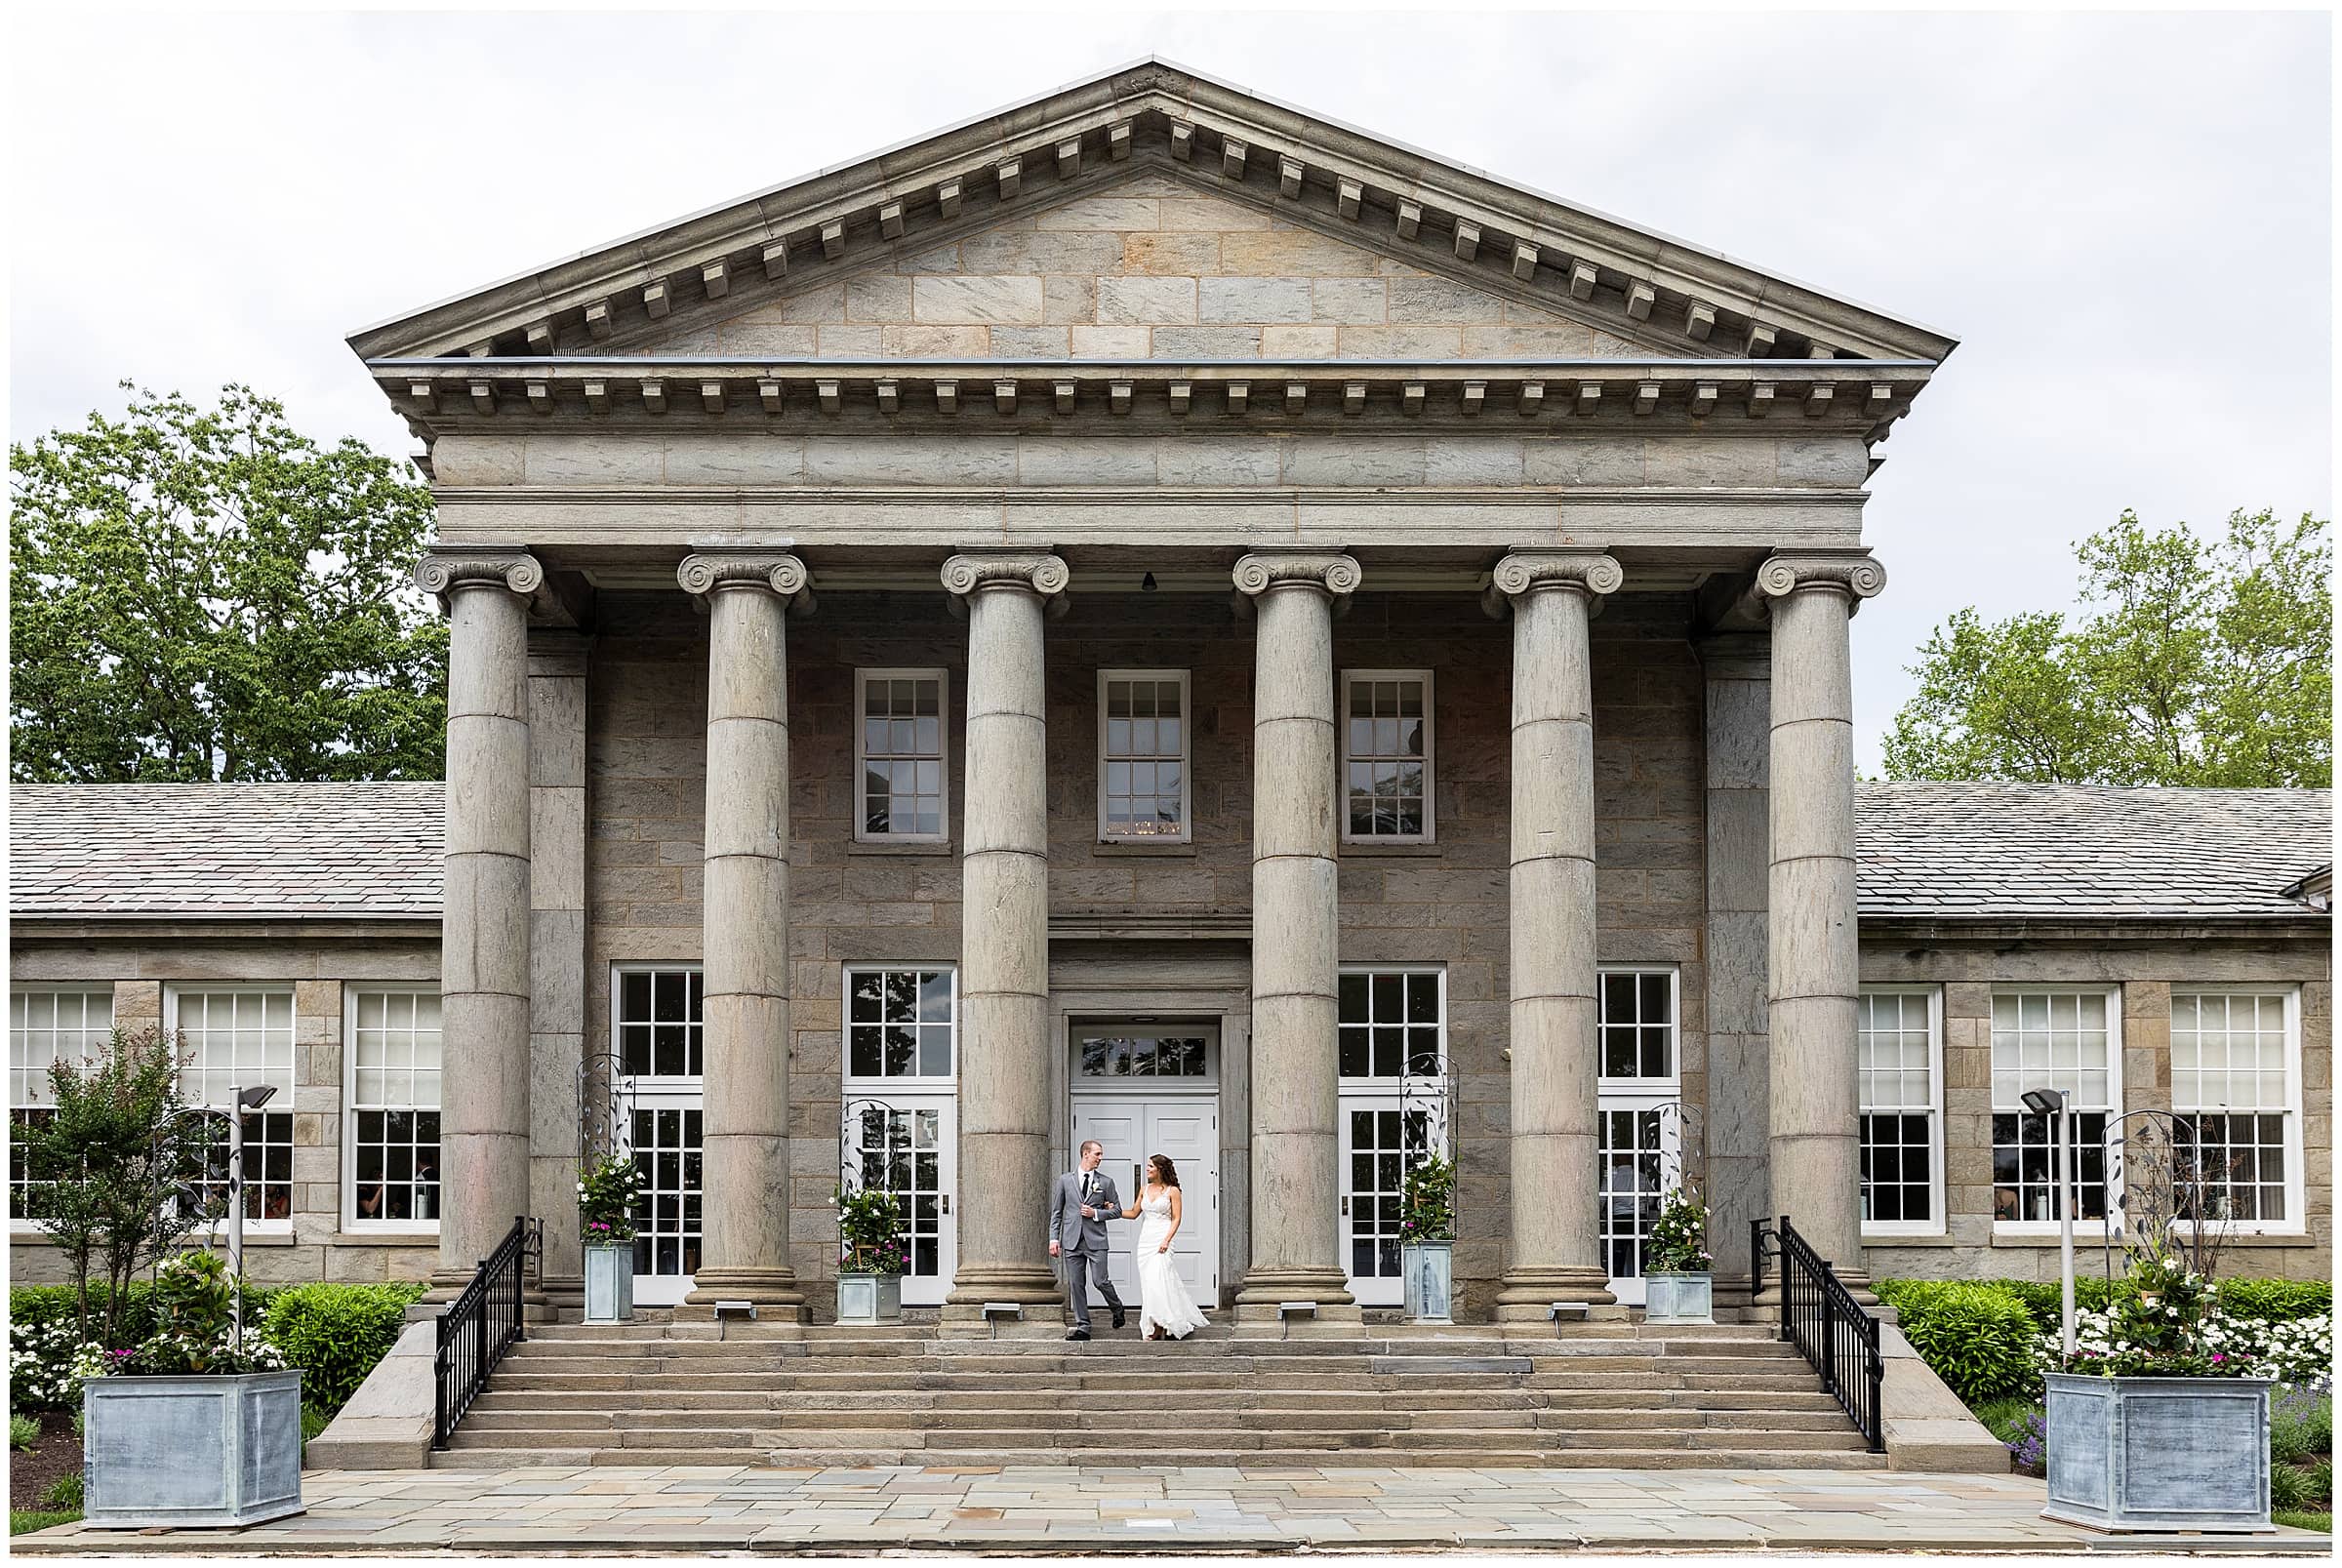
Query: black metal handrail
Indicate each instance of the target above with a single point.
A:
(1830, 1329)
(484, 1321)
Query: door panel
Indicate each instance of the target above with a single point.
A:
(907, 1145)
(1379, 1135)
(666, 1129)
(1640, 1161)
(1185, 1129)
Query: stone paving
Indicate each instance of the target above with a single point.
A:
(1086, 1509)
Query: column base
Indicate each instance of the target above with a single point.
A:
(1527, 1295)
(773, 1291)
(1034, 1289)
(1265, 1292)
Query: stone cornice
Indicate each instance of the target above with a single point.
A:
(441, 573)
(1033, 571)
(1855, 575)
(1441, 216)
(1325, 571)
(715, 569)
(438, 395)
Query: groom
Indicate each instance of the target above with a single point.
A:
(1077, 1214)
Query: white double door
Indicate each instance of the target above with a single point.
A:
(1183, 1126)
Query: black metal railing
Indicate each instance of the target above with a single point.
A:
(1820, 1317)
(481, 1324)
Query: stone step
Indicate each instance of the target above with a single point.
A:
(1412, 1367)
(715, 1454)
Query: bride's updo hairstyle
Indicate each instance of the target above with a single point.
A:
(1165, 1172)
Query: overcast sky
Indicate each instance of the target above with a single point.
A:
(2126, 220)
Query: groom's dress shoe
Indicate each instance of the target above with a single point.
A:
(1078, 1334)
(1119, 1314)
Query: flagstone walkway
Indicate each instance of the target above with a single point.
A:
(1087, 1509)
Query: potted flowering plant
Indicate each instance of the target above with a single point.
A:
(608, 1191)
(2160, 1420)
(1678, 1282)
(1427, 1240)
(197, 1426)
(871, 1256)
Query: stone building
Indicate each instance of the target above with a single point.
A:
(1156, 617)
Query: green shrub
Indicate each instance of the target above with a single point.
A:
(1978, 1339)
(23, 1431)
(2321, 1472)
(2289, 1488)
(2277, 1301)
(337, 1333)
(37, 1306)
(2005, 1418)
(63, 1493)
(2301, 1423)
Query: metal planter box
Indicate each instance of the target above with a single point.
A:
(2158, 1453)
(189, 1452)
(869, 1298)
(1428, 1269)
(609, 1283)
(1679, 1298)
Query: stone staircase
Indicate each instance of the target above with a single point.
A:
(1605, 1394)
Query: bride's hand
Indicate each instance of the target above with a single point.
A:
(1165, 1247)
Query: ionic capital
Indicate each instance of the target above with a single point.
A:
(441, 573)
(1856, 577)
(1328, 573)
(1033, 571)
(1528, 571)
(713, 571)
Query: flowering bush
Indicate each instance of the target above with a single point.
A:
(1427, 1207)
(194, 1311)
(607, 1192)
(47, 1364)
(2124, 1344)
(1678, 1237)
(870, 1238)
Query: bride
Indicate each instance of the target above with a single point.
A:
(1165, 1309)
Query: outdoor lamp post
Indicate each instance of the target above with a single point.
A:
(2058, 1103)
(244, 1100)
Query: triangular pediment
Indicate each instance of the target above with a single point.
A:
(1152, 212)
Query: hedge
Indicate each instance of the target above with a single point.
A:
(2266, 1300)
(1977, 1337)
(335, 1334)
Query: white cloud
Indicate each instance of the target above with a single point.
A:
(2125, 217)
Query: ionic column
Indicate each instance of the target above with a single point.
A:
(745, 1199)
(1556, 1248)
(1294, 1201)
(484, 931)
(1811, 948)
(1004, 943)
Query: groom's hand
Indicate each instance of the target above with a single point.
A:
(1088, 1213)
(1055, 1249)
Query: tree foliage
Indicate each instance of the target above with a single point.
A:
(2190, 661)
(205, 594)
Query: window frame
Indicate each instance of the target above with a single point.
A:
(1936, 1152)
(619, 968)
(943, 754)
(351, 1221)
(1383, 1084)
(174, 994)
(1672, 1084)
(853, 1085)
(2114, 1091)
(1187, 757)
(18, 1225)
(2296, 1224)
(1431, 753)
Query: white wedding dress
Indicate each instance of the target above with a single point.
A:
(1163, 1299)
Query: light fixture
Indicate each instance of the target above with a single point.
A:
(2058, 1103)
(1147, 584)
(254, 1099)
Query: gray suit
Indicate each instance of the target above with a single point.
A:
(1083, 1241)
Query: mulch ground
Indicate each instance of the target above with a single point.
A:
(56, 1456)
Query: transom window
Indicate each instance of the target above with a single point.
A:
(1392, 1023)
(45, 1026)
(242, 1039)
(1143, 732)
(1387, 754)
(2051, 1039)
(1639, 1025)
(1898, 1045)
(1144, 1056)
(901, 1023)
(394, 1068)
(659, 1026)
(900, 754)
(2233, 1081)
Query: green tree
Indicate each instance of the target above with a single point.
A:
(205, 594)
(2190, 661)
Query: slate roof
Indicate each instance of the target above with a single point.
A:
(1964, 851)
(1933, 851)
(228, 851)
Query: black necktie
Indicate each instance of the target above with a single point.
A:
(1089, 1187)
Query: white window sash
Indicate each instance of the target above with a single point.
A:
(173, 996)
(350, 1220)
(1934, 1113)
(1186, 748)
(17, 1224)
(1384, 1084)
(669, 1083)
(2297, 1221)
(1431, 751)
(943, 756)
(2112, 1108)
(1669, 1085)
(879, 1086)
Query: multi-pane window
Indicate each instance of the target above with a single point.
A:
(900, 1150)
(45, 1026)
(1638, 1025)
(899, 1023)
(1895, 1047)
(2051, 1039)
(242, 1039)
(2232, 1082)
(1144, 1056)
(1143, 734)
(1390, 1024)
(899, 754)
(1387, 754)
(1638, 1124)
(659, 1029)
(394, 1055)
